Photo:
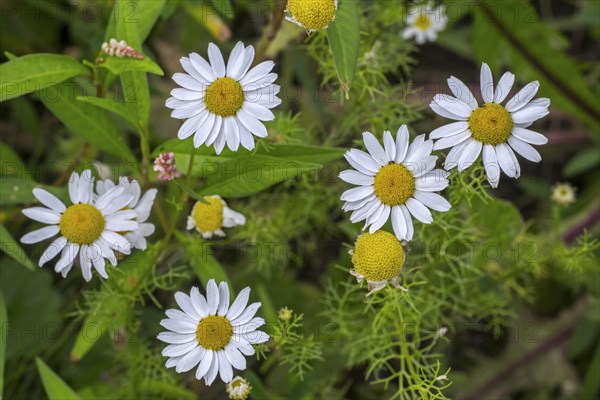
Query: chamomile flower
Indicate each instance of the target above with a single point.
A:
(90, 227)
(209, 218)
(224, 104)
(396, 180)
(497, 130)
(238, 388)
(142, 205)
(378, 258)
(563, 194)
(425, 22)
(312, 15)
(210, 333)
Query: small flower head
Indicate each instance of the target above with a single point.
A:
(424, 23)
(563, 194)
(285, 314)
(211, 216)
(378, 258)
(165, 166)
(312, 15)
(238, 388)
(120, 49)
(211, 332)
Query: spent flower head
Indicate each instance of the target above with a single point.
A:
(563, 194)
(165, 166)
(120, 49)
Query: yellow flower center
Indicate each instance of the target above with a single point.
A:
(214, 332)
(491, 124)
(394, 184)
(224, 97)
(378, 256)
(423, 22)
(208, 217)
(82, 224)
(312, 14)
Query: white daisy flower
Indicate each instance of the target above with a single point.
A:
(211, 333)
(142, 205)
(312, 15)
(208, 219)
(397, 180)
(496, 129)
(563, 194)
(238, 388)
(224, 103)
(378, 259)
(89, 227)
(425, 22)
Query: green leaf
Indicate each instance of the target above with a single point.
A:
(55, 387)
(591, 384)
(201, 259)
(3, 339)
(16, 191)
(344, 39)
(224, 8)
(12, 166)
(582, 162)
(13, 249)
(86, 120)
(141, 15)
(240, 177)
(116, 108)
(35, 72)
(534, 51)
(118, 65)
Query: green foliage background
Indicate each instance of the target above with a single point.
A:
(503, 298)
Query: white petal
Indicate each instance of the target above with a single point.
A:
(490, 163)
(42, 214)
(187, 65)
(398, 223)
(232, 131)
(216, 60)
(357, 193)
(186, 94)
(116, 242)
(238, 304)
(257, 111)
(505, 160)
(462, 92)
(247, 314)
(86, 263)
(177, 350)
(523, 97)
(449, 130)
(212, 297)
(187, 82)
(225, 370)
(402, 138)
(74, 187)
(257, 337)
(433, 201)
(389, 145)
(190, 360)
(381, 220)
(438, 109)
(257, 73)
(433, 181)
(49, 200)
(528, 136)
(176, 338)
(223, 299)
(190, 126)
(40, 234)
(529, 114)
(487, 83)
(235, 59)
(213, 370)
(53, 250)
(419, 211)
(469, 155)
(256, 127)
(453, 140)
(185, 303)
(86, 187)
(362, 162)
(203, 67)
(243, 346)
(409, 225)
(524, 149)
(374, 148)
(237, 360)
(453, 105)
(504, 86)
(355, 177)
(199, 302)
(204, 364)
(179, 326)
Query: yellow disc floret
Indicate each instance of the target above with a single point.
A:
(82, 224)
(378, 256)
(422, 22)
(214, 332)
(224, 97)
(208, 217)
(491, 124)
(312, 14)
(394, 184)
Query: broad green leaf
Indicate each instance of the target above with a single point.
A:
(3, 339)
(591, 384)
(13, 249)
(117, 108)
(344, 39)
(16, 191)
(12, 165)
(142, 15)
(35, 72)
(201, 259)
(86, 120)
(534, 51)
(582, 162)
(118, 65)
(240, 177)
(55, 387)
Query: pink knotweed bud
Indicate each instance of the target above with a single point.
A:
(165, 166)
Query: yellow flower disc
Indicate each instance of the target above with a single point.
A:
(394, 184)
(312, 14)
(491, 124)
(214, 332)
(208, 217)
(378, 256)
(82, 224)
(224, 97)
